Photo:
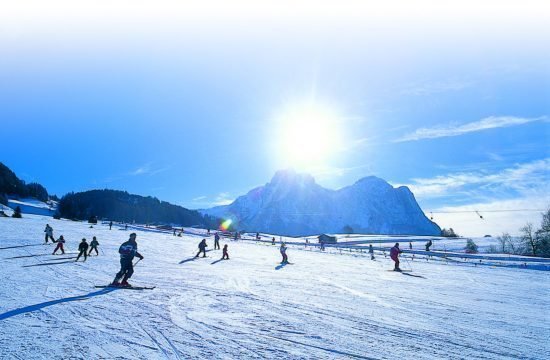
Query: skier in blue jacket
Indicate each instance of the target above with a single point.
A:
(127, 252)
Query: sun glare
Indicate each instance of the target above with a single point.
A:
(308, 136)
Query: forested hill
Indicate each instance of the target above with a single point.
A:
(11, 185)
(122, 206)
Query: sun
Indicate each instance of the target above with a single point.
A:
(308, 136)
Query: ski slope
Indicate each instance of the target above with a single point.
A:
(323, 306)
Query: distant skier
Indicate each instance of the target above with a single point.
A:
(49, 234)
(282, 249)
(273, 240)
(236, 235)
(257, 236)
(322, 246)
(202, 248)
(371, 252)
(60, 243)
(174, 232)
(82, 248)
(394, 254)
(225, 254)
(93, 246)
(410, 245)
(217, 241)
(428, 244)
(127, 252)
(125, 226)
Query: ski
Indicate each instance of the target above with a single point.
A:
(126, 287)
(400, 271)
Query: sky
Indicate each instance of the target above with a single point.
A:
(196, 103)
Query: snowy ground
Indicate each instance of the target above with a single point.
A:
(323, 306)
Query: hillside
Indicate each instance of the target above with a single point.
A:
(294, 204)
(122, 206)
(324, 306)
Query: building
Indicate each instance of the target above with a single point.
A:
(324, 238)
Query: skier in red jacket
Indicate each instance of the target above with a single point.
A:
(394, 254)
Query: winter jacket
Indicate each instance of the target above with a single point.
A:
(394, 252)
(94, 243)
(202, 245)
(49, 231)
(128, 250)
(283, 249)
(83, 246)
(61, 240)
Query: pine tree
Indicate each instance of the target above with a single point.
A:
(17, 213)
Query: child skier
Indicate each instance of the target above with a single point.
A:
(217, 241)
(394, 254)
(273, 240)
(59, 246)
(371, 252)
(282, 249)
(202, 248)
(93, 246)
(225, 254)
(49, 233)
(82, 248)
(127, 252)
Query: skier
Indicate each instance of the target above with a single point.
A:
(110, 225)
(216, 241)
(127, 252)
(322, 247)
(125, 226)
(282, 249)
(394, 254)
(49, 234)
(410, 245)
(225, 254)
(257, 236)
(273, 241)
(59, 246)
(202, 248)
(236, 236)
(428, 244)
(371, 252)
(82, 248)
(93, 246)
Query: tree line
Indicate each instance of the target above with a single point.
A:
(124, 207)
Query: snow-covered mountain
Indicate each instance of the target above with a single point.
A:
(294, 204)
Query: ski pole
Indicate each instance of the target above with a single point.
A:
(408, 263)
(136, 262)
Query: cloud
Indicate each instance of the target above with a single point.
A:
(518, 179)
(491, 122)
(437, 87)
(147, 169)
(223, 198)
(199, 198)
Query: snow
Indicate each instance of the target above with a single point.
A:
(33, 206)
(323, 306)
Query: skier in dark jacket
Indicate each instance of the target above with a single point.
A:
(428, 244)
(127, 252)
(82, 248)
(216, 241)
(60, 243)
(110, 225)
(282, 249)
(394, 254)
(225, 254)
(202, 248)
(93, 246)
(273, 240)
(371, 252)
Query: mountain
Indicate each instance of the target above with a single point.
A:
(122, 206)
(12, 186)
(294, 204)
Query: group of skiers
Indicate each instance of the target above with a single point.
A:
(203, 246)
(82, 247)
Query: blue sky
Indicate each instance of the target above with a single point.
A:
(198, 103)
